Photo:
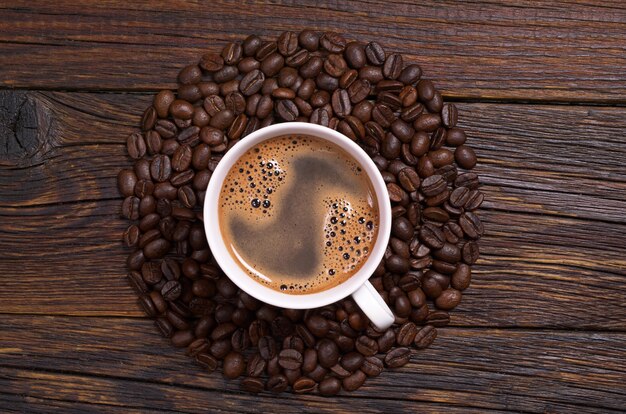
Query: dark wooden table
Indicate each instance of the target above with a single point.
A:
(541, 88)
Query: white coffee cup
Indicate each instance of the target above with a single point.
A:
(362, 291)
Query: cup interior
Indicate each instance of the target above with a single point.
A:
(238, 275)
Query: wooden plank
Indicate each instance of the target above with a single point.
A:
(113, 361)
(547, 50)
(526, 154)
(535, 271)
(546, 253)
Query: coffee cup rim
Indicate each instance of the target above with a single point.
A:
(239, 276)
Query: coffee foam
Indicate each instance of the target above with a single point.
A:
(300, 234)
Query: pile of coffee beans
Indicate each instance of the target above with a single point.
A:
(368, 94)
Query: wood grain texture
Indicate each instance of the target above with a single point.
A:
(542, 327)
(111, 362)
(547, 50)
(549, 210)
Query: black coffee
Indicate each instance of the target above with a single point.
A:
(298, 213)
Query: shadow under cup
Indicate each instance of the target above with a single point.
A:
(357, 285)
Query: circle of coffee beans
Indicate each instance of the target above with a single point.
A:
(368, 94)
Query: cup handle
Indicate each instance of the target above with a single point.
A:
(374, 307)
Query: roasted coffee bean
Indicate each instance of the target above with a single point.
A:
(327, 353)
(391, 146)
(459, 196)
(420, 143)
(363, 111)
(165, 327)
(181, 109)
(427, 122)
(410, 282)
(287, 110)
(358, 90)
(372, 366)
(375, 53)
(335, 65)
(149, 118)
(162, 102)
(390, 99)
(402, 130)
(398, 246)
(448, 299)
(461, 278)
(298, 59)
(247, 65)
(277, 383)
(409, 179)
(352, 361)
(386, 341)
(435, 214)
(304, 385)
(406, 334)
(287, 43)
(341, 103)
(225, 74)
(469, 180)
(398, 357)
(366, 346)
(432, 236)
(182, 339)
(426, 90)
(251, 83)
(333, 42)
(126, 181)
(449, 115)
(402, 229)
(393, 66)
(326, 82)
(433, 185)
(252, 384)
(234, 365)
(383, 115)
(130, 208)
(136, 145)
(397, 264)
(471, 225)
(438, 318)
(396, 193)
(251, 44)
(465, 157)
(425, 337)
(425, 167)
(354, 381)
(441, 157)
(171, 290)
(164, 129)
(290, 359)
(309, 40)
(410, 74)
(272, 64)
(455, 137)
(267, 347)
(312, 67)
(189, 93)
(475, 199)
(317, 325)
(329, 386)
(288, 78)
(435, 104)
(412, 112)
(408, 96)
